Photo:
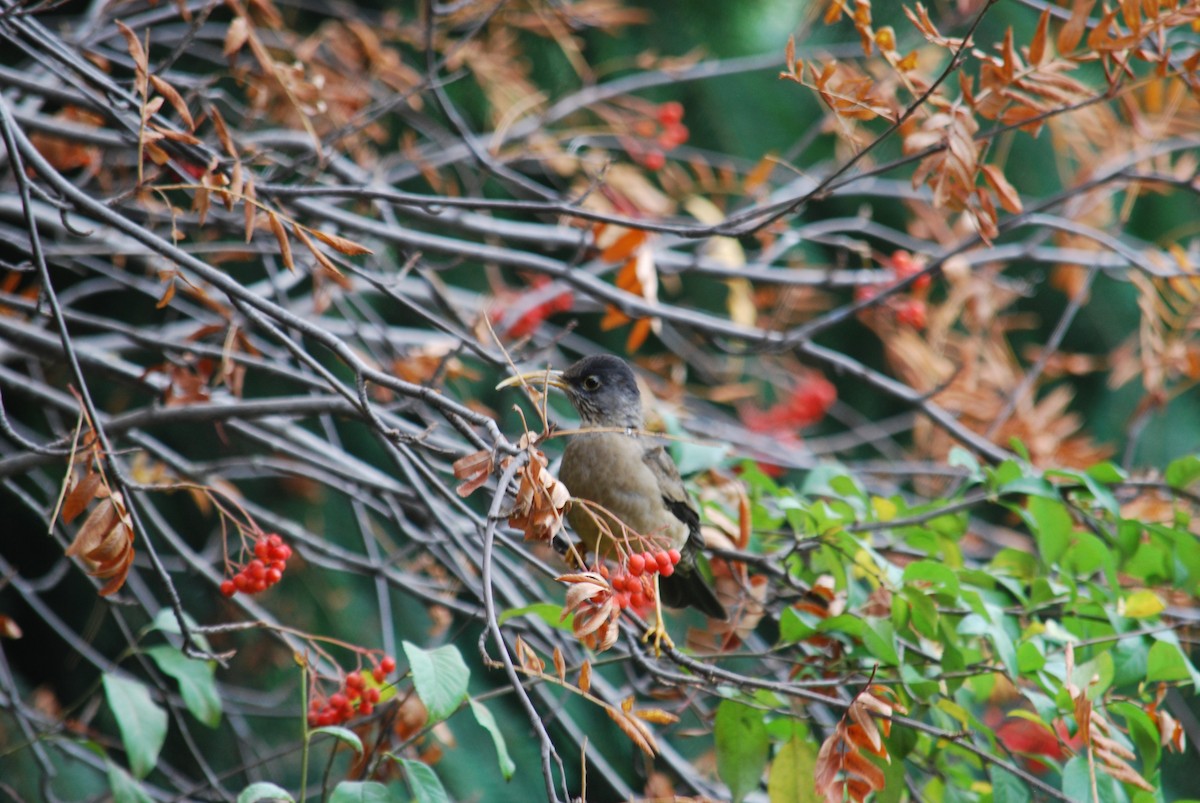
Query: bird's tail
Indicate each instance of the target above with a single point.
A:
(687, 587)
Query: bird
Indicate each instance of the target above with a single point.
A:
(615, 470)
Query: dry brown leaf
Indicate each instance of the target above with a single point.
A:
(560, 666)
(635, 729)
(473, 470)
(175, 99)
(341, 244)
(285, 245)
(138, 54)
(83, 492)
(585, 677)
(1010, 199)
(236, 36)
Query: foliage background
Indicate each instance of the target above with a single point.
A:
(386, 552)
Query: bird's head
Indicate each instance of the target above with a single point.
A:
(602, 388)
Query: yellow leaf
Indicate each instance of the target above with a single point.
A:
(1141, 605)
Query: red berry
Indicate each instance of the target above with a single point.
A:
(371, 695)
(911, 312)
(662, 559)
(388, 664)
(651, 563)
(378, 674)
(274, 540)
(668, 570)
(355, 681)
(673, 136)
(636, 565)
(262, 549)
(256, 569)
(633, 584)
(273, 576)
(670, 113)
(637, 600)
(621, 599)
(654, 160)
(228, 588)
(241, 582)
(865, 292)
(365, 708)
(353, 694)
(674, 555)
(338, 700)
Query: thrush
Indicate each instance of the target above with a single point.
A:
(626, 490)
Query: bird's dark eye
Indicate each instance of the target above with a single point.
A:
(591, 382)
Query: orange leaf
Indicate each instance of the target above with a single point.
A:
(638, 334)
(175, 99)
(1037, 48)
(341, 244)
(1072, 32)
(1009, 198)
(138, 54)
(79, 497)
(285, 246)
(624, 247)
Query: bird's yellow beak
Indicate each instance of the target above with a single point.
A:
(537, 379)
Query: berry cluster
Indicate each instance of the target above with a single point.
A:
(907, 309)
(355, 697)
(666, 129)
(630, 589)
(270, 559)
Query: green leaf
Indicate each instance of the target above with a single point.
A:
(548, 612)
(483, 716)
(936, 574)
(143, 724)
(196, 679)
(880, 640)
(440, 676)
(793, 626)
(1077, 783)
(263, 791)
(124, 788)
(791, 776)
(1030, 657)
(362, 792)
(424, 783)
(1130, 661)
(1006, 787)
(961, 458)
(166, 621)
(742, 745)
(1144, 733)
(1183, 472)
(341, 734)
(1107, 472)
(1166, 662)
(1051, 526)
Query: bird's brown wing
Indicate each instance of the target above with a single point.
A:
(670, 486)
(687, 585)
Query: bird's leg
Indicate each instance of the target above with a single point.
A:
(658, 632)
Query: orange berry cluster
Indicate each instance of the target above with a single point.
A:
(270, 559)
(355, 697)
(628, 589)
(673, 133)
